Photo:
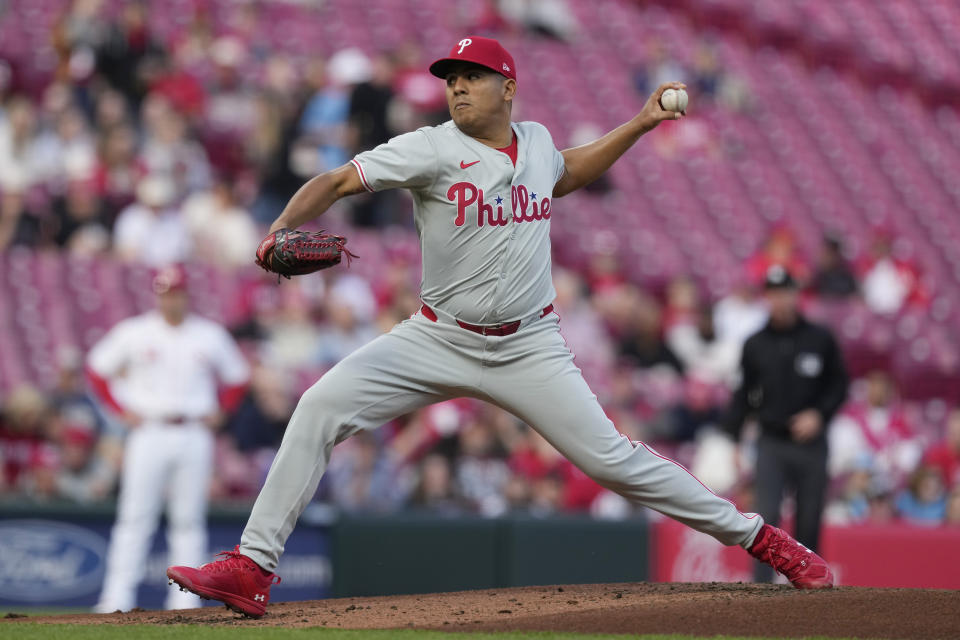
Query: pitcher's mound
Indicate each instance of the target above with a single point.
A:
(700, 609)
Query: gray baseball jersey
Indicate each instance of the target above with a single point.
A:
(484, 224)
(484, 232)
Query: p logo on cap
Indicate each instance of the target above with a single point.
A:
(485, 52)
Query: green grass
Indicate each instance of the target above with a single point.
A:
(34, 631)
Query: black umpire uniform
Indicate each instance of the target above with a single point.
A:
(793, 383)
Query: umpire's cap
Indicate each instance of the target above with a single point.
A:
(485, 52)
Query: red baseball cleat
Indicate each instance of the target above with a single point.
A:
(802, 567)
(236, 581)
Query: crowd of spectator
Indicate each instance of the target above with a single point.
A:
(154, 152)
(663, 367)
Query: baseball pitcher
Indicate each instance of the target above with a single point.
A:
(484, 191)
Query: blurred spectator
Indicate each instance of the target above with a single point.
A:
(739, 314)
(555, 483)
(325, 118)
(168, 152)
(246, 448)
(70, 398)
(118, 170)
(83, 475)
(643, 345)
(83, 24)
(110, 110)
(40, 484)
(435, 490)
(127, 44)
(67, 152)
(369, 126)
(833, 277)
(546, 495)
(877, 428)
(230, 108)
(18, 225)
(217, 224)
(658, 68)
(261, 418)
(516, 493)
(283, 158)
(701, 351)
(865, 497)
(706, 72)
(79, 219)
(422, 99)
(604, 271)
(291, 337)
(853, 503)
(481, 469)
(277, 108)
(718, 463)
(363, 478)
(698, 410)
(890, 282)
(23, 436)
(369, 103)
(924, 500)
(20, 166)
(350, 308)
(152, 230)
(682, 302)
(944, 456)
(551, 18)
(182, 89)
(487, 20)
(582, 327)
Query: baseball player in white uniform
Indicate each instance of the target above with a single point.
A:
(170, 376)
(483, 189)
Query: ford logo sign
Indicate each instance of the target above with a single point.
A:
(47, 561)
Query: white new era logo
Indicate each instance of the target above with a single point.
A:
(506, 67)
(260, 597)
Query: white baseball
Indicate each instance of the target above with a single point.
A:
(674, 100)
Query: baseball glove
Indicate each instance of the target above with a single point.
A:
(293, 253)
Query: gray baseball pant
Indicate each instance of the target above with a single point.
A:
(531, 374)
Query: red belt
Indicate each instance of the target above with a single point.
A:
(503, 329)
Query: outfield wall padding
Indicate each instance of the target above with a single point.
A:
(416, 553)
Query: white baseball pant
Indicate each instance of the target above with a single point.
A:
(162, 463)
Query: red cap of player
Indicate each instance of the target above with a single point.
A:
(170, 278)
(486, 52)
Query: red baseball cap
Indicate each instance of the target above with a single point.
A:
(170, 278)
(485, 52)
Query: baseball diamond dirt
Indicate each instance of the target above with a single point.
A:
(701, 609)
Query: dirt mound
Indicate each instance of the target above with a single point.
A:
(701, 609)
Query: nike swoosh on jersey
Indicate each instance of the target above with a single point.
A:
(468, 164)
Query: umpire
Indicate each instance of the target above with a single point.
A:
(793, 382)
